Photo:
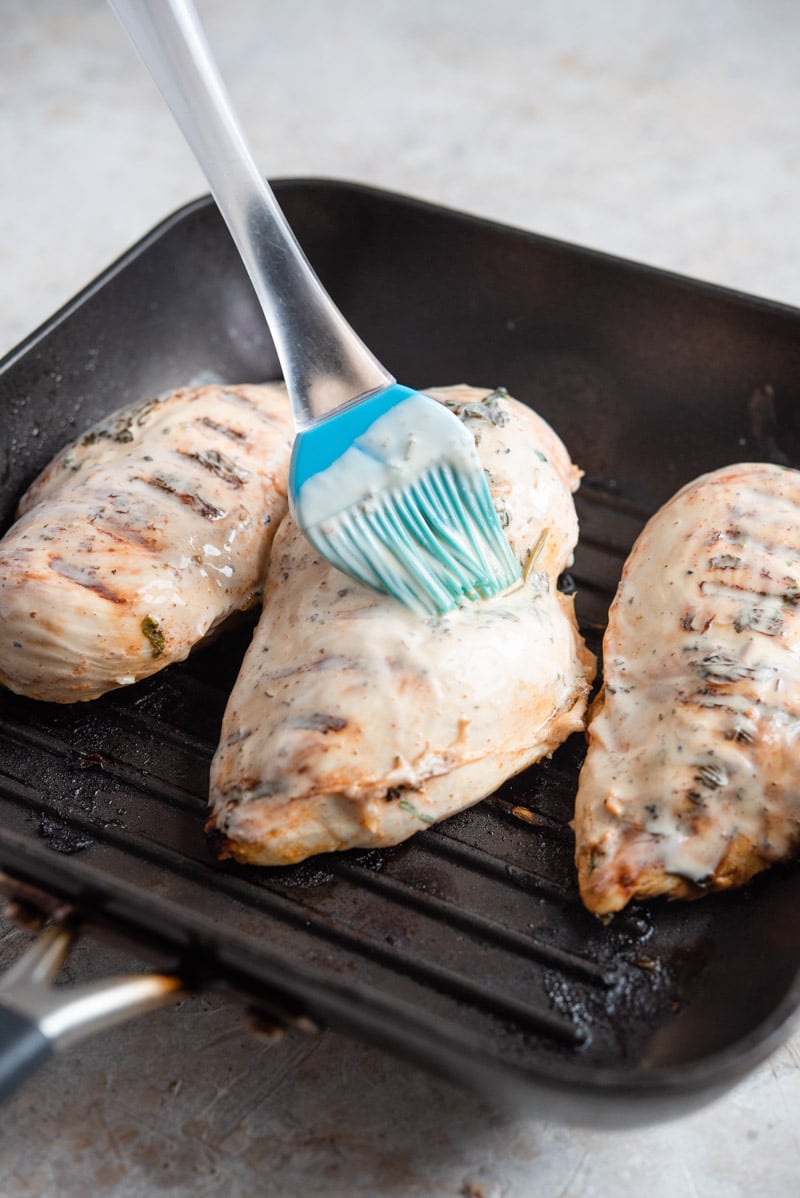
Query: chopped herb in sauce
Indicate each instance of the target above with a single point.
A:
(412, 810)
(155, 635)
(535, 553)
(486, 409)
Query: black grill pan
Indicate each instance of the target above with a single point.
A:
(465, 949)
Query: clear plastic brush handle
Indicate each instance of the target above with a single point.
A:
(325, 364)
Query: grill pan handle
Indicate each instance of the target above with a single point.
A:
(23, 1048)
(37, 1018)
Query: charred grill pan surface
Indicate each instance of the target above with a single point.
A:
(467, 948)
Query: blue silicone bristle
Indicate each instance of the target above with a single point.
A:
(432, 541)
(431, 545)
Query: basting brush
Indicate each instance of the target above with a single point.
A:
(385, 482)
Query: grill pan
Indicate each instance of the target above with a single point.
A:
(465, 949)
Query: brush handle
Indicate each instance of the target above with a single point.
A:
(325, 364)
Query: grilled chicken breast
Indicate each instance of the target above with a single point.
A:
(140, 538)
(691, 777)
(355, 722)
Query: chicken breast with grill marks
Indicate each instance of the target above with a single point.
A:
(692, 776)
(355, 722)
(140, 538)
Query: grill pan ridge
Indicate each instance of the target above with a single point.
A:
(465, 949)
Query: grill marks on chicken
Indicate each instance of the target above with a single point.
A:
(355, 723)
(220, 465)
(140, 538)
(690, 780)
(185, 492)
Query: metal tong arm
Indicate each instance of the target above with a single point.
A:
(325, 364)
(37, 1018)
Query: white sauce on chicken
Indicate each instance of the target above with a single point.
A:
(691, 777)
(140, 538)
(356, 722)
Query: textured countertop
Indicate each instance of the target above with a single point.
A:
(662, 133)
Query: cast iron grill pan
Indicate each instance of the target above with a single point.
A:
(465, 949)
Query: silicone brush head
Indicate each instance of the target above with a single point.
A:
(391, 491)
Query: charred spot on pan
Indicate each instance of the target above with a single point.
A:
(60, 837)
(155, 635)
(220, 466)
(90, 760)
